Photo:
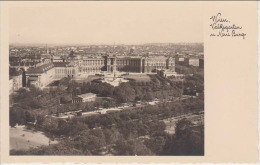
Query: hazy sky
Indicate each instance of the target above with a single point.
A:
(105, 22)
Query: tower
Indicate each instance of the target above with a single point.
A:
(47, 50)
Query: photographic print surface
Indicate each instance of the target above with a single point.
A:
(106, 79)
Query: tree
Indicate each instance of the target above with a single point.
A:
(112, 135)
(50, 125)
(186, 141)
(183, 128)
(132, 147)
(156, 144)
(91, 140)
(148, 96)
(16, 116)
(124, 93)
(65, 99)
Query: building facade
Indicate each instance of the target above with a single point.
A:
(152, 64)
(65, 69)
(91, 65)
(194, 61)
(44, 73)
(190, 61)
(11, 83)
(171, 75)
(87, 97)
(17, 82)
(16, 79)
(139, 64)
(40, 76)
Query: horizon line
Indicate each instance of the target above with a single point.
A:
(145, 43)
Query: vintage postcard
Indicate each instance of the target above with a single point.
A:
(129, 82)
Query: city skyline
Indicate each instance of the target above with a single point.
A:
(100, 44)
(93, 23)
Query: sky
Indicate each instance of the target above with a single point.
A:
(105, 22)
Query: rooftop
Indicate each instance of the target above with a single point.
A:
(23, 63)
(86, 95)
(40, 69)
(60, 64)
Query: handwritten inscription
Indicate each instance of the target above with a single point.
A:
(223, 27)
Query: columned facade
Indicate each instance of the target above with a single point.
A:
(43, 74)
(138, 64)
(91, 65)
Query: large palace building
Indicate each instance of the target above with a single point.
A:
(91, 64)
(45, 72)
(138, 64)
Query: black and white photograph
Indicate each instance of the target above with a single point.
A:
(106, 79)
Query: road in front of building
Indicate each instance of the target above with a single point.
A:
(195, 118)
(123, 106)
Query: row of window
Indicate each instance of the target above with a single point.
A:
(127, 62)
(93, 62)
(65, 71)
(98, 69)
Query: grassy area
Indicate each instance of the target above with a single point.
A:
(138, 77)
(23, 138)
